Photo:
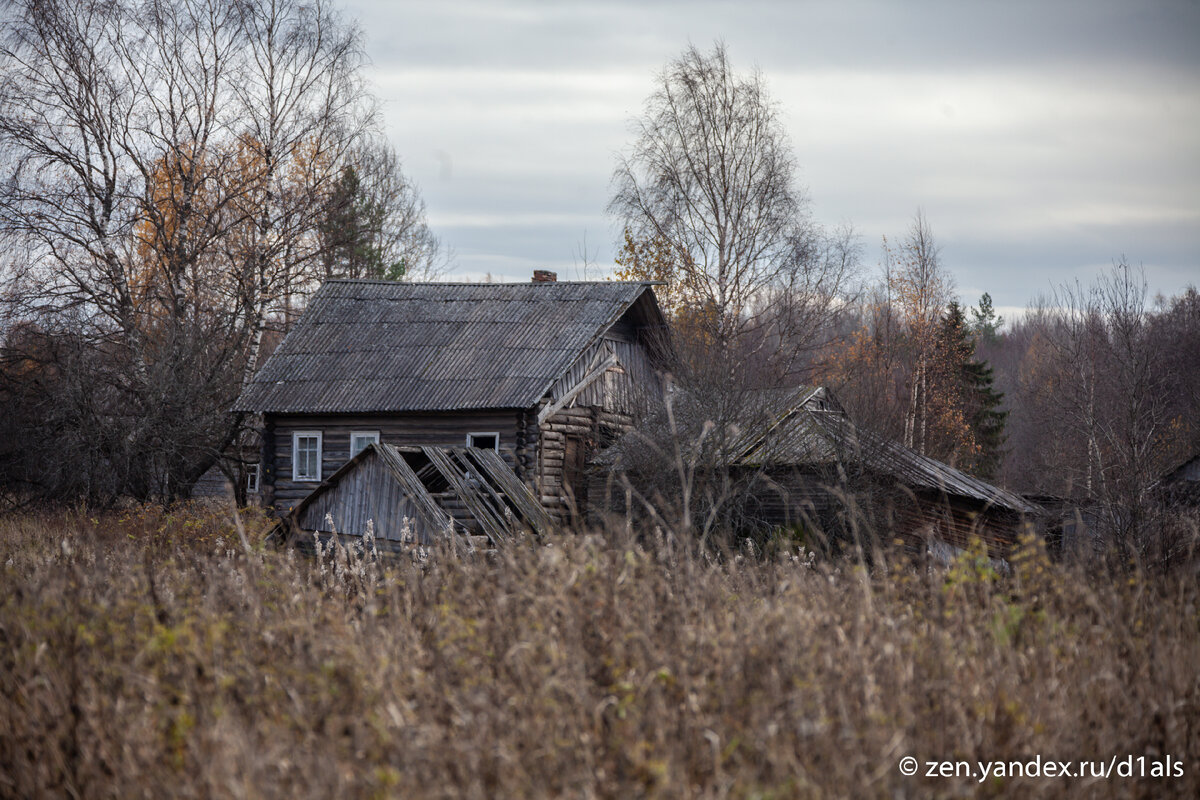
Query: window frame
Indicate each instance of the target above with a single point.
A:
(253, 479)
(296, 437)
(494, 434)
(372, 435)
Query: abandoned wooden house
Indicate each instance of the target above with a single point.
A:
(540, 373)
(796, 460)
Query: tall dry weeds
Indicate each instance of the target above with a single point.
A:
(153, 656)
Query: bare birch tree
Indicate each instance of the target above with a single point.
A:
(922, 290)
(1106, 384)
(711, 175)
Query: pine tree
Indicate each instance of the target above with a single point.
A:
(350, 232)
(986, 325)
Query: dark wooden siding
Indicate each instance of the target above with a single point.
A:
(623, 387)
(448, 429)
(810, 497)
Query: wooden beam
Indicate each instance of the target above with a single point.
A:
(516, 492)
(587, 381)
(427, 507)
(496, 529)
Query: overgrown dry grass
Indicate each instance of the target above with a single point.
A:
(150, 656)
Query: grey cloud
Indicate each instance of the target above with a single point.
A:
(1041, 138)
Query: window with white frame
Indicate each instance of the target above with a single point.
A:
(253, 473)
(360, 439)
(306, 456)
(489, 440)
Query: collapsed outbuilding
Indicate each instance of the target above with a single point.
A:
(793, 459)
(418, 495)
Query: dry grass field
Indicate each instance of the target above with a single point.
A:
(150, 655)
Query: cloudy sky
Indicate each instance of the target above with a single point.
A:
(1043, 140)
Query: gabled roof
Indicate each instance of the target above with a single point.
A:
(379, 346)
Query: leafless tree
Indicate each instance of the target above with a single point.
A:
(1099, 389)
(712, 174)
(884, 367)
(165, 169)
(922, 289)
(402, 236)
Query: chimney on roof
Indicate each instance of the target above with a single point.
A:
(544, 276)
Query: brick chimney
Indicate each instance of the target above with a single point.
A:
(544, 276)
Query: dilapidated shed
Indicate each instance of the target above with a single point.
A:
(418, 495)
(795, 459)
(925, 498)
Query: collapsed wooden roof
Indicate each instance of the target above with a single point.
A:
(810, 427)
(379, 346)
(807, 427)
(402, 490)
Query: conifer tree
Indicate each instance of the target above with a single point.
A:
(986, 324)
(349, 248)
(969, 396)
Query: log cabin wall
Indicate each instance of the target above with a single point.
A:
(804, 497)
(567, 441)
(957, 521)
(572, 429)
(446, 429)
(791, 498)
(796, 496)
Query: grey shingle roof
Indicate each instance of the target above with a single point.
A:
(376, 346)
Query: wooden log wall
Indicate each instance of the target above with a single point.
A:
(556, 496)
(957, 522)
(575, 433)
(448, 429)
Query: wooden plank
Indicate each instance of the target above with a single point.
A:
(428, 510)
(516, 492)
(587, 381)
(494, 528)
(476, 475)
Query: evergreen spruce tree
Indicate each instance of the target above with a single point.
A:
(971, 387)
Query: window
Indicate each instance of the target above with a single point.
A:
(487, 441)
(252, 475)
(360, 439)
(306, 456)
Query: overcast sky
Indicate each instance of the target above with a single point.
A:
(1043, 140)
